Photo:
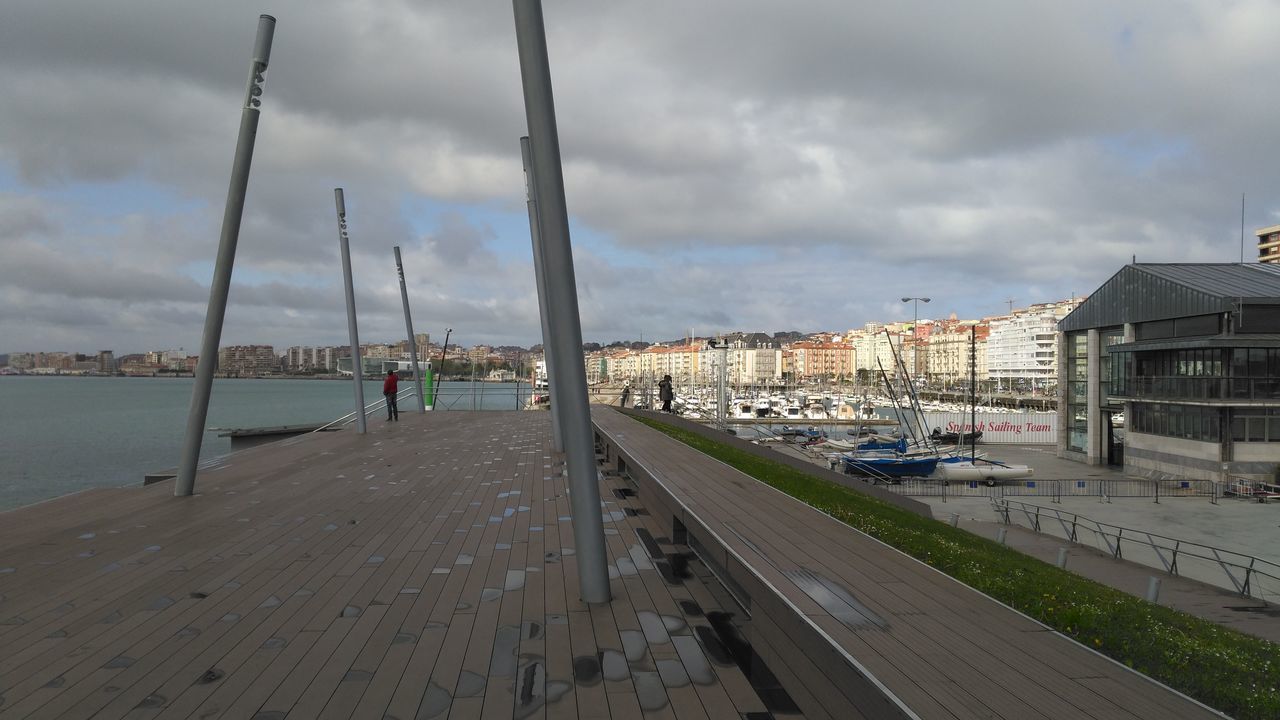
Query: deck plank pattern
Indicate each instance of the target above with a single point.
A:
(425, 569)
(938, 647)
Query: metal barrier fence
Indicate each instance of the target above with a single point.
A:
(1244, 574)
(1101, 489)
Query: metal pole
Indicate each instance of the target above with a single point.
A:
(539, 267)
(439, 375)
(562, 302)
(408, 328)
(357, 369)
(722, 400)
(221, 285)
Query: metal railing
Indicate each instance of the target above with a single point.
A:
(351, 416)
(1247, 575)
(481, 398)
(1055, 490)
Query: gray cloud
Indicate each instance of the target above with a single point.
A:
(739, 165)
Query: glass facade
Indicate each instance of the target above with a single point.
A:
(1199, 374)
(1255, 424)
(1189, 422)
(1107, 364)
(1077, 390)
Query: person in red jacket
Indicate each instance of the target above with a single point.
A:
(389, 392)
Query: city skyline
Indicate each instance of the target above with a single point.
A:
(809, 182)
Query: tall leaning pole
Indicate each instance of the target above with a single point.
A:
(353, 332)
(539, 267)
(408, 328)
(221, 285)
(562, 302)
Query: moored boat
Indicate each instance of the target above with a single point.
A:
(990, 472)
(889, 466)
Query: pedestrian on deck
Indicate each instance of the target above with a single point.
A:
(665, 394)
(626, 395)
(389, 387)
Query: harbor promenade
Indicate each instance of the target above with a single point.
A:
(426, 569)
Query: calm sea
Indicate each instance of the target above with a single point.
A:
(59, 435)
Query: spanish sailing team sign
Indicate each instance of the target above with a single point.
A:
(1025, 427)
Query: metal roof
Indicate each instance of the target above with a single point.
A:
(1226, 280)
(1143, 292)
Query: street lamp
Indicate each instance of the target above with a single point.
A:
(915, 344)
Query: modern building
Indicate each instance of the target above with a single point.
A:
(1269, 244)
(1190, 354)
(305, 358)
(1022, 348)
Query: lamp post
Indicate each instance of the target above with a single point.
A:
(915, 344)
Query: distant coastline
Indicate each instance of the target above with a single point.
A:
(282, 376)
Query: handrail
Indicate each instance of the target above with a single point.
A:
(440, 396)
(351, 416)
(1242, 570)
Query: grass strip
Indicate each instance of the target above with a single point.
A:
(1222, 668)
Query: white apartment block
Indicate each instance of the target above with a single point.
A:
(1023, 346)
(311, 358)
(871, 344)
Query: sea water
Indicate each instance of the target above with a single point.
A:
(60, 435)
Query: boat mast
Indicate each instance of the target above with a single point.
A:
(973, 393)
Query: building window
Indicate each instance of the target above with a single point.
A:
(1077, 391)
(1255, 425)
(1189, 422)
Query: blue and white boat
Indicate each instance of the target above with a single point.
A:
(889, 466)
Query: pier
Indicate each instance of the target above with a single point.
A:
(426, 569)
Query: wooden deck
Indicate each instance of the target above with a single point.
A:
(857, 629)
(423, 570)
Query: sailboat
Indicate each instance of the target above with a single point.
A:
(959, 468)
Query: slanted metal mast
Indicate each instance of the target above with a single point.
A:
(562, 302)
(539, 273)
(353, 333)
(408, 328)
(220, 288)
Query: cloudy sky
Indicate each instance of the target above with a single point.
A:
(729, 165)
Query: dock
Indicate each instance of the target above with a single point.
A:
(426, 569)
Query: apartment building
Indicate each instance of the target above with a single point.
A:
(248, 360)
(308, 358)
(1269, 244)
(875, 345)
(948, 358)
(1022, 348)
(829, 360)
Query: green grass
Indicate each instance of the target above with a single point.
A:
(1235, 673)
